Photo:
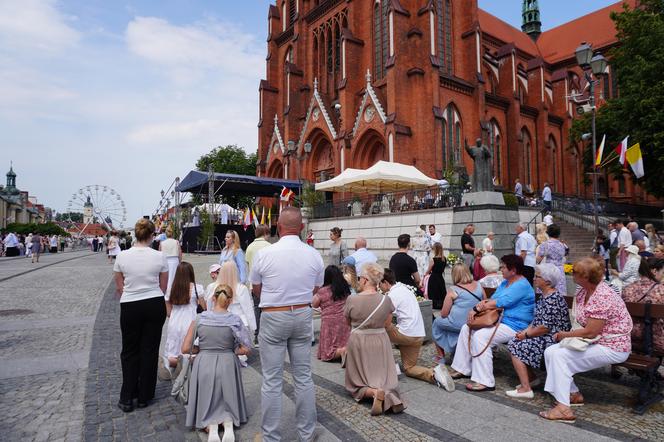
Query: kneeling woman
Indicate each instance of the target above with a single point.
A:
(216, 394)
(370, 369)
(602, 314)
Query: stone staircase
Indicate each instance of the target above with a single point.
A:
(580, 241)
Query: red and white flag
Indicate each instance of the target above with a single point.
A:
(286, 194)
(621, 150)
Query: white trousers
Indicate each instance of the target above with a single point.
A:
(480, 368)
(562, 364)
(173, 262)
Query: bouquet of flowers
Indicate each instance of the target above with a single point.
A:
(452, 259)
(568, 269)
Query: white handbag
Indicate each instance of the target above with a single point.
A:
(582, 344)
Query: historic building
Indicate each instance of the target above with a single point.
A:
(16, 206)
(351, 82)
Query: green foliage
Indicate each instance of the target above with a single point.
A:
(76, 217)
(638, 64)
(43, 229)
(229, 159)
(510, 200)
(207, 228)
(309, 197)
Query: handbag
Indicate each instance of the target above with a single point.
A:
(382, 300)
(485, 319)
(199, 308)
(582, 344)
(180, 389)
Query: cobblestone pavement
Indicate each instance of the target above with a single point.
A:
(47, 311)
(75, 316)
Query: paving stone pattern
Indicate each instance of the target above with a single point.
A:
(74, 315)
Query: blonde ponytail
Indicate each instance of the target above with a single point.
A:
(224, 295)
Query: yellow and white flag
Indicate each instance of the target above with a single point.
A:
(635, 160)
(600, 151)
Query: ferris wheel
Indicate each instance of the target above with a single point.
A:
(98, 205)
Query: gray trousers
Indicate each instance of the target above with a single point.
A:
(290, 332)
(469, 260)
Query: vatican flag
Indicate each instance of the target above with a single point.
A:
(634, 158)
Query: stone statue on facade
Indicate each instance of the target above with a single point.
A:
(482, 180)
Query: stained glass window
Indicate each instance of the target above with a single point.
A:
(378, 53)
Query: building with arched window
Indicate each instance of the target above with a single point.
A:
(349, 83)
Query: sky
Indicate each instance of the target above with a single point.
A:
(129, 94)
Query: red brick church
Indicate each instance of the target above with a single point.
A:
(351, 82)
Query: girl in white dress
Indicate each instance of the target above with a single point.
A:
(420, 250)
(181, 303)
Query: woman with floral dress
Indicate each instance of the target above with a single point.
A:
(331, 299)
(553, 250)
(551, 316)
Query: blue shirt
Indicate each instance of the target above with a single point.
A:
(238, 258)
(363, 256)
(518, 302)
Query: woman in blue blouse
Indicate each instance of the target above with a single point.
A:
(233, 252)
(517, 299)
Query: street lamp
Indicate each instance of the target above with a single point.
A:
(592, 64)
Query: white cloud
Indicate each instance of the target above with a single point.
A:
(35, 24)
(204, 46)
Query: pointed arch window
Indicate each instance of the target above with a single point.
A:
(381, 37)
(527, 156)
(451, 137)
(494, 143)
(552, 147)
(292, 12)
(337, 48)
(444, 35)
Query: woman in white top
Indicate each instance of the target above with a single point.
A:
(141, 274)
(487, 244)
(420, 250)
(630, 273)
(113, 246)
(171, 248)
(181, 303)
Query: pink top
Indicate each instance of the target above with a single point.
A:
(607, 305)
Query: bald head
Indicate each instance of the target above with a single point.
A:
(360, 243)
(290, 221)
(641, 244)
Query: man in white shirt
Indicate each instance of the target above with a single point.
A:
(525, 248)
(362, 255)
(434, 236)
(11, 244)
(546, 196)
(624, 241)
(285, 277)
(409, 332)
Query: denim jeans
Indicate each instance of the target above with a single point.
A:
(290, 332)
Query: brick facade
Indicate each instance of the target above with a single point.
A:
(349, 83)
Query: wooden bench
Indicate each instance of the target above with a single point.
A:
(643, 360)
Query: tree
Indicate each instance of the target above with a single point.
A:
(76, 217)
(638, 110)
(229, 159)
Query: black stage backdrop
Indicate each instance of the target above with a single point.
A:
(190, 236)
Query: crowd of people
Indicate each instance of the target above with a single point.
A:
(265, 297)
(32, 245)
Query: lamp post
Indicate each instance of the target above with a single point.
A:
(593, 64)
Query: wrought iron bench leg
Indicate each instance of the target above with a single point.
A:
(649, 391)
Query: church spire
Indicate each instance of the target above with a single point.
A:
(531, 19)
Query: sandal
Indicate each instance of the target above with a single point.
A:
(377, 407)
(556, 415)
(456, 375)
(478, 387)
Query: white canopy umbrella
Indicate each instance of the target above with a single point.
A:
(382, 177)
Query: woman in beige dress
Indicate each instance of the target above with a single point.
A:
(370, 367)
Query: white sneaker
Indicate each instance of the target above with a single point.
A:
(229, 436)
(213, 433)
(515, 393)
(443, 378)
